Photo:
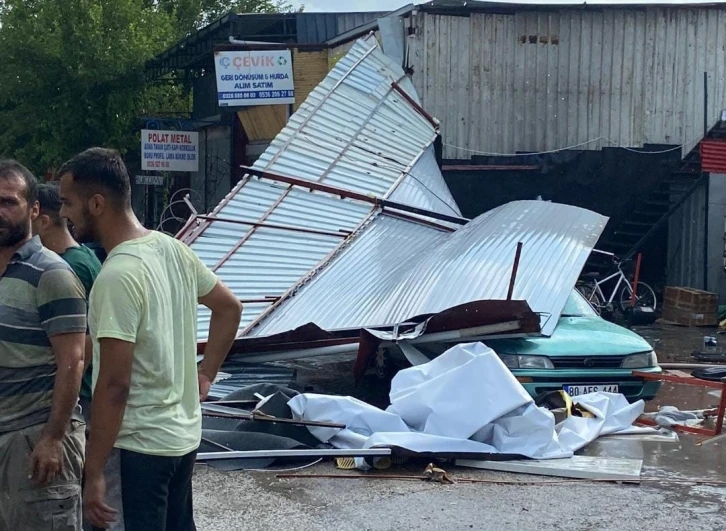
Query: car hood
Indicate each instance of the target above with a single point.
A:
(577, 336)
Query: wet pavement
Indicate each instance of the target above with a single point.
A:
(669, 497)
(675, 344)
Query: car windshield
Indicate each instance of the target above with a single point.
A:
(577, 306)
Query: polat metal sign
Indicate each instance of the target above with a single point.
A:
(169, 150)
(254, 77)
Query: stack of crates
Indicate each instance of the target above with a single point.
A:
(690, 307)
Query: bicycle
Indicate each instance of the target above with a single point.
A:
(592, 289)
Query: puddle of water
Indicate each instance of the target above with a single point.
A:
(682, 460)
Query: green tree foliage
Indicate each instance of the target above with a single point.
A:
(72, 71)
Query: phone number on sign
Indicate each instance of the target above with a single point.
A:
(157, 164)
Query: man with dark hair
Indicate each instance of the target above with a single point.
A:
(42, 337)
(54, 235)
(143, 317)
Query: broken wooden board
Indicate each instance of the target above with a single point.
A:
(576, 467)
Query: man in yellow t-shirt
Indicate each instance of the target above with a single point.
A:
(143, 321)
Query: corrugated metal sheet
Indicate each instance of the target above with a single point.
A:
(336, 53)
(353, 132)
(425, 188)
(713, 156)
(397, 269)
(544, 80)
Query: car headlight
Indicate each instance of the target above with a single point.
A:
(526, 362)
(640, 361)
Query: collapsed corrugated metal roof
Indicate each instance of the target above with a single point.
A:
(396, 269)
(313, 238)
(360, 130)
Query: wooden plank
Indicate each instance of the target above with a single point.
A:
(576, 467)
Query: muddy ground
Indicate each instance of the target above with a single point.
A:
(260, 501)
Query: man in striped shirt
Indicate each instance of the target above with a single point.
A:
(42, 336)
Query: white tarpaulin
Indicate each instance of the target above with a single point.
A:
(464, 401)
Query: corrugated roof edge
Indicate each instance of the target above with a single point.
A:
(465, 7)
(364, 29)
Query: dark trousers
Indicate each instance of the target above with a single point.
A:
(157, 492)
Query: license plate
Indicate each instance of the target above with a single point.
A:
(577, 390)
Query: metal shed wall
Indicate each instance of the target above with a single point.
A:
(686, 245)
(544, 80)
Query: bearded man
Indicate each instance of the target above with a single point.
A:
(42, 338)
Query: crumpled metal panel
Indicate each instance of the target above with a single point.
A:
(424, 188)
(354, 132)
(397, 269)
(271, 260)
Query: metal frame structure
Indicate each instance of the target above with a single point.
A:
(257, 454)
(690, 380)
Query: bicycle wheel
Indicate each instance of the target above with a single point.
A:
(644, 297)
(591, 295)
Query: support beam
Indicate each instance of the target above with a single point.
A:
(340, 192)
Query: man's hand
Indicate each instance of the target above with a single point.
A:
(46, 461)
(204, 385)
(95, 509)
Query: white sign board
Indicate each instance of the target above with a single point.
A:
(254, 77)
(169, 150)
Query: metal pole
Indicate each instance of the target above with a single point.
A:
(706, 211)
(633, 295)
(708, 186)
(705, 104)
(515, 268)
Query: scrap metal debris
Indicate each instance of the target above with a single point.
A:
(348, 203)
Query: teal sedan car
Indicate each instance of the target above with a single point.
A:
(585, 354)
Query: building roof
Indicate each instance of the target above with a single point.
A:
(472, 6)
(195, 51)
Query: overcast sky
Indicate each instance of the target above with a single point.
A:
(352, 5)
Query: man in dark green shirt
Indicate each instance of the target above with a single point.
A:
(54, 234)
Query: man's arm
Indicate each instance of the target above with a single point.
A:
(68, 350)
(47, 457)
(116, 306)
(108, 406)
(62, 311)
(109, 401)
(223, 326)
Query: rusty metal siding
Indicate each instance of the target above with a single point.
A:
(538, 81)
(713, 156)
